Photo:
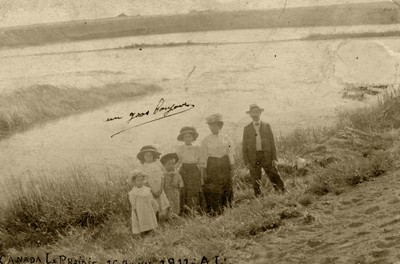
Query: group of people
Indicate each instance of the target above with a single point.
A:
(199, 178)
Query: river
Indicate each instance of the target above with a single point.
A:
(298, 82)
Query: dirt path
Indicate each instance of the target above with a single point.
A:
(361, 225)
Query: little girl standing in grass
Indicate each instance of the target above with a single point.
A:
(143, 205)
(155, 179)
(189, 157)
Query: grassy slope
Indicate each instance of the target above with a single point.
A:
(336, 15)
(24, 108)
(86, 214)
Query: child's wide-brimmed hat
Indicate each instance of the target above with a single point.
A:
(134, 174)
(190, 130)
(254, 108)
(148, 148)
(216, 118)
(168, 157)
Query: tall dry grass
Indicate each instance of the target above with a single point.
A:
(76, 209)
(42, 209)
(359, 146)
(382, 116)
(350, 171)
(26, 107)
(78, 212)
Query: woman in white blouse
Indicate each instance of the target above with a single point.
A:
(217, 161)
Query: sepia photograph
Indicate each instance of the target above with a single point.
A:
(199, 132)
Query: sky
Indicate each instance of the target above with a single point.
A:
(26, 12)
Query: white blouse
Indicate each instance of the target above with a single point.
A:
(217, 146)
(189, 154)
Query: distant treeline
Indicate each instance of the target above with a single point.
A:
(169, 44)
(335, 15)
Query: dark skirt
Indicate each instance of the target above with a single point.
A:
(218, 184)
(192, 195)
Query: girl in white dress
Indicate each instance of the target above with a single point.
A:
(155, 177)
(143, 205)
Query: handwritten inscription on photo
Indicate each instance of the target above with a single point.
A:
(160, 109)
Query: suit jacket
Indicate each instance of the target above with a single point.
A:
(267, 143)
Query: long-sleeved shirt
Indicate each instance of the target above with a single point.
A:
(189, 154)
(216, 146)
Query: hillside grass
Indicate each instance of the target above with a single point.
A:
(79, 213)
(24, 108)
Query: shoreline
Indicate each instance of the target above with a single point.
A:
(195, 39)
(338, 159)
(25, 108)
(356, 14)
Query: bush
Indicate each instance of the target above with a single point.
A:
(305, 199)
(300, 140)
(349, 172)
(383, 116)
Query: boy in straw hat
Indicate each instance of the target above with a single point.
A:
(173, 183)
(259, 151)
(189, 158)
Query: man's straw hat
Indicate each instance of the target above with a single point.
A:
(254, 107)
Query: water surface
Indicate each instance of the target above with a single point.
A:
(299, 84)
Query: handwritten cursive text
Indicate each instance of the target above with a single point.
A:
(161, 108)
(168, 109)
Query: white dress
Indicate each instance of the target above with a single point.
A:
(144, 218)
(154, 180)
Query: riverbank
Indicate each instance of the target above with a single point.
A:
(24, 108)
(379, 13)
(77, 213)
(361, 225)
(385, 34)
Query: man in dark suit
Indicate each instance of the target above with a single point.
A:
(259, 151)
